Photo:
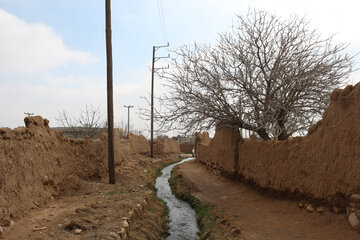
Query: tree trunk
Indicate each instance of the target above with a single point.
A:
(283, 135)
(263, 134)
(281, 122)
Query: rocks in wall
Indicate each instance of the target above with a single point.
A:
(353, 211)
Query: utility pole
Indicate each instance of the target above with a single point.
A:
(128, 107)
(110, 103)
(153, 70)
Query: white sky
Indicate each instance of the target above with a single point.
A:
(52, 54)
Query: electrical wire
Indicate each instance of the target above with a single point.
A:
(162, 19)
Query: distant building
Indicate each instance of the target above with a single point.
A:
(80, 132)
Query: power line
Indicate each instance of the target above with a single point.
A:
(162, 19)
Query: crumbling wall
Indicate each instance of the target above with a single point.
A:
(166, 145)
(186, 147)
(221, 152)
(321, 164)
(139, 144)
(36, 161)
(324, 164)
(202, 141)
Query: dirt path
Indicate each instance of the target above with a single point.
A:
(261, 217)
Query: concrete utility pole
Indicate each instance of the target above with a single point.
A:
(110, 104)
(154, 59)
(128, 107)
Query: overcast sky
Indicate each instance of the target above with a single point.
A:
(52, 53)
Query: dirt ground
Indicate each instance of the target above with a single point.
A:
(261, 217)
(97, 210)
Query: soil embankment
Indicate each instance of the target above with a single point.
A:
(52, 186)
(35, 163)
(97, 210)
(257, 216)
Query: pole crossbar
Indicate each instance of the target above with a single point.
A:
(158, 58)
(157, 47)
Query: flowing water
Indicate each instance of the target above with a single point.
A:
(182, 217)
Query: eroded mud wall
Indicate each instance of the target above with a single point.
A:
(36, 162)
(139, 144)
(221, 152)
(323, 164)
(166, 145)
(186, 147)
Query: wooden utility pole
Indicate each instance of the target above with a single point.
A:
(152, 105)
(153, 69)
(128, 107)
(110, 104)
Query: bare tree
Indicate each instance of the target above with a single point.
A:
(268, 75)
(88, 123)
(122, 129)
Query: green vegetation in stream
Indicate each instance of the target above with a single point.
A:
(165, 214)
(204, 215)
(211, 221)
(159, 169)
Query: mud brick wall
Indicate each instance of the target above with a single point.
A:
(165, 145)
(36, 161)
(186, 147)
(323, 164)
(220, 152)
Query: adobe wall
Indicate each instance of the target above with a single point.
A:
(36, 161)
(139, 144)
(165, 145)
(323, 164)
(221, 152)
(186, 147)
(202, 141)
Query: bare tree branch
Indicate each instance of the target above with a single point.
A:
(89, 122)
(268, 75)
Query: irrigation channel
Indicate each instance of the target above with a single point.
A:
(182, 217)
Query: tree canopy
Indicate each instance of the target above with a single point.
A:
(270, 75)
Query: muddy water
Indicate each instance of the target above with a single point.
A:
(182, 217)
